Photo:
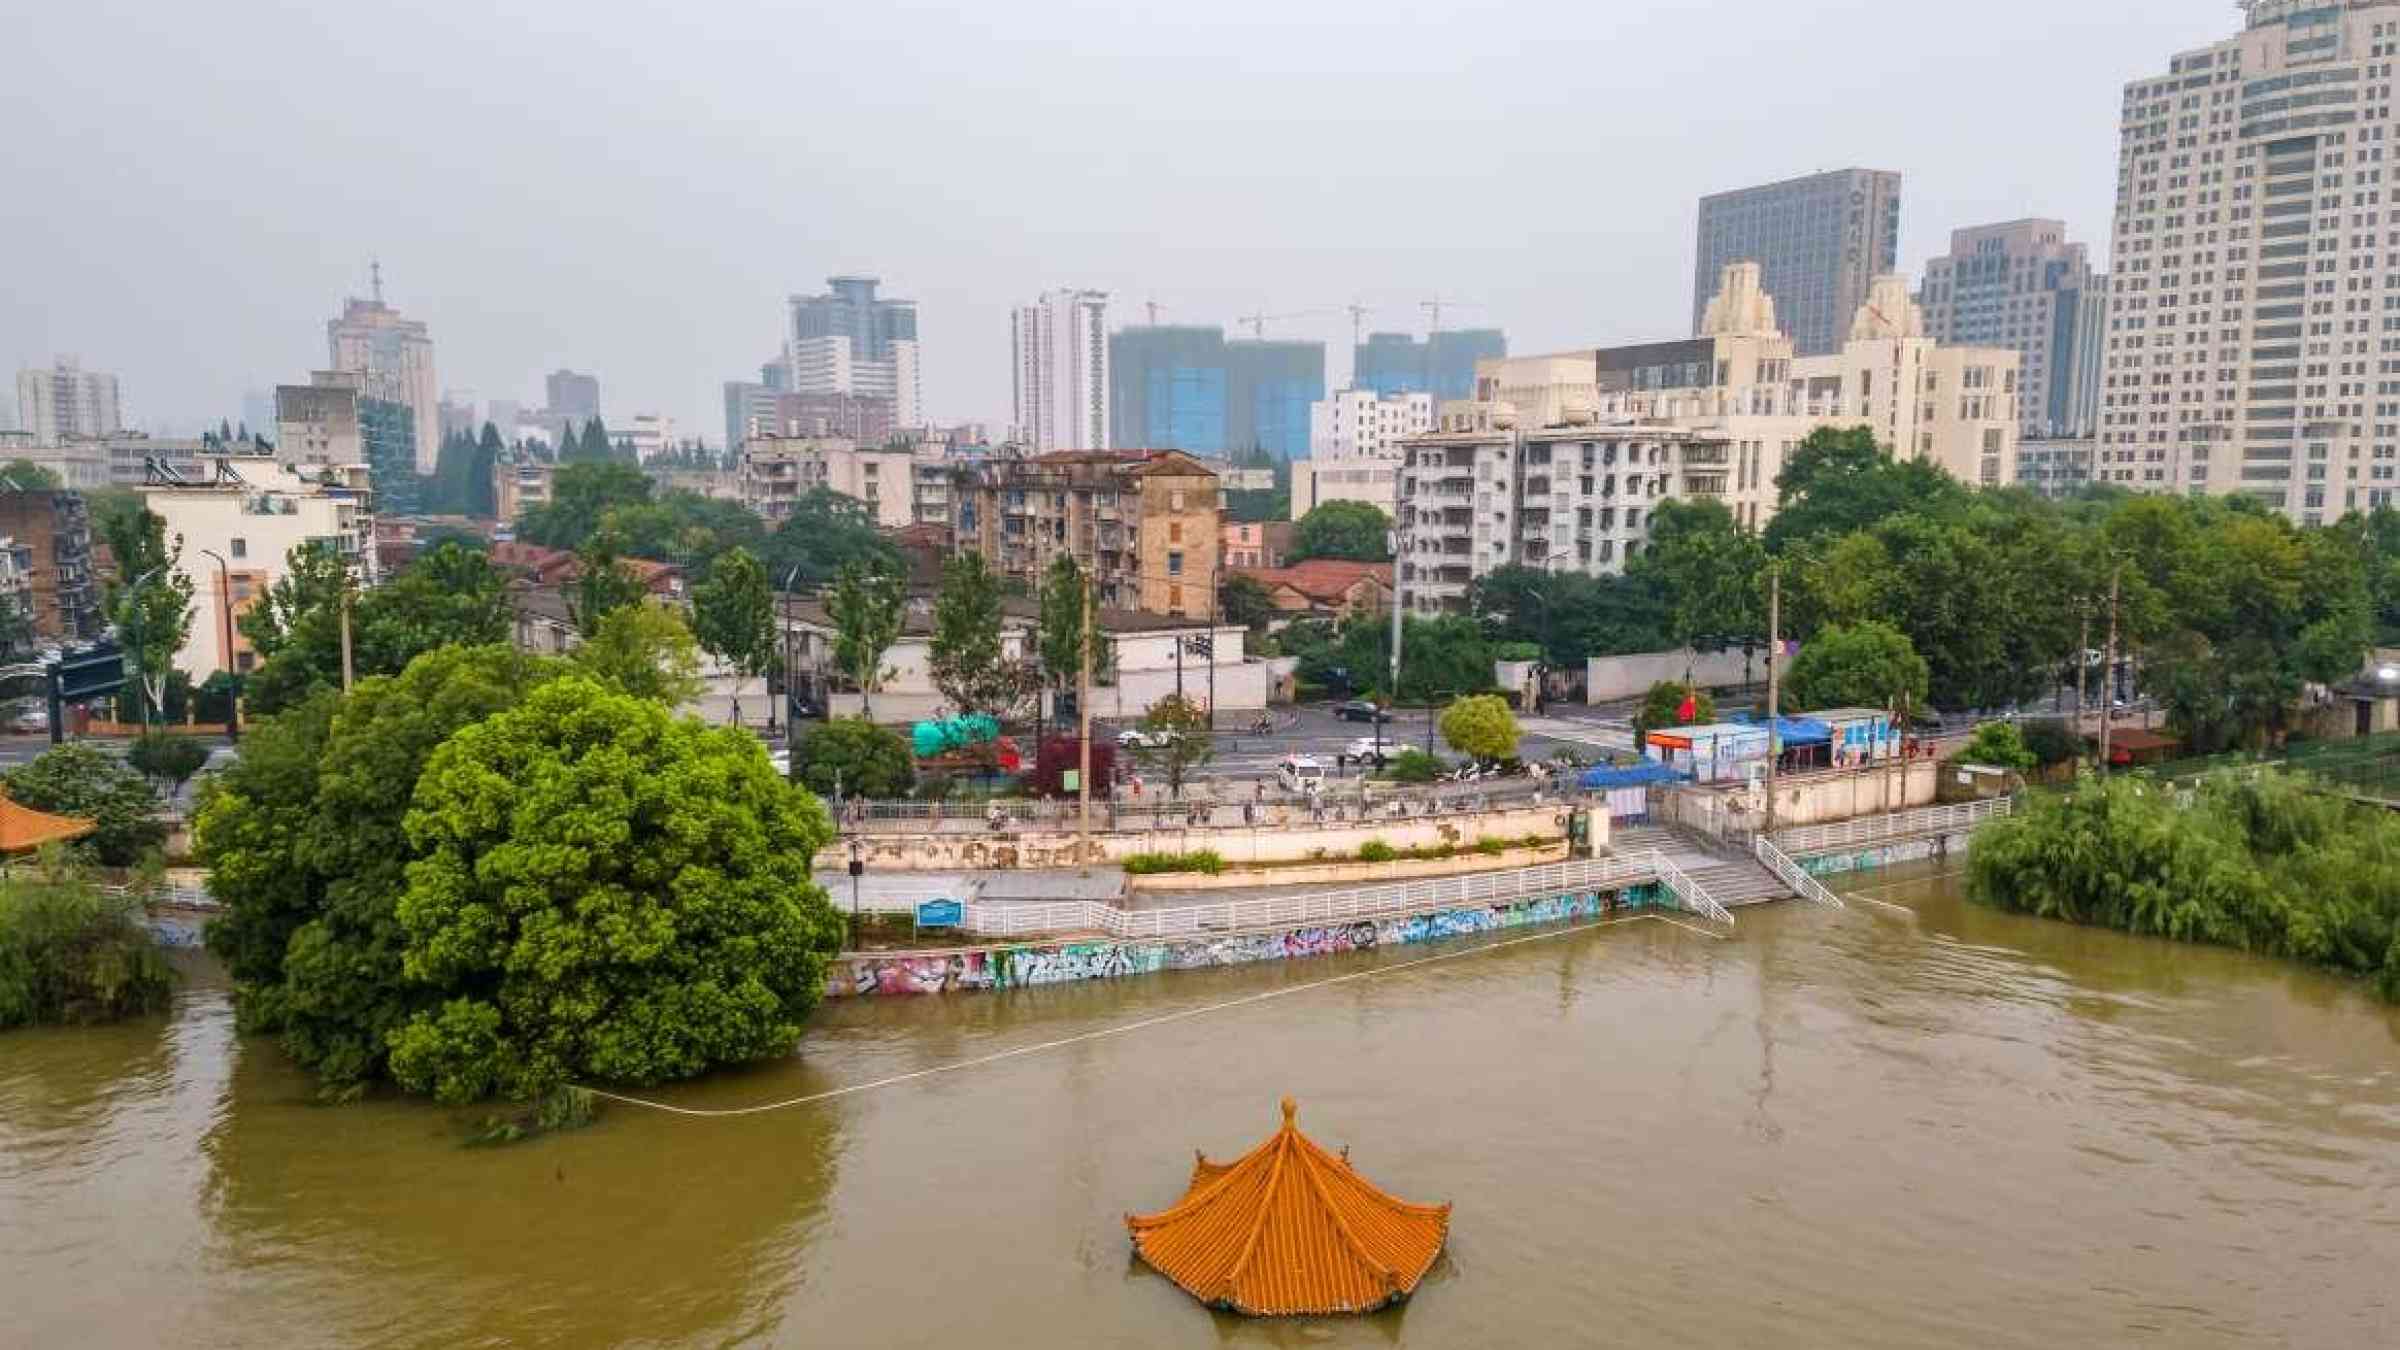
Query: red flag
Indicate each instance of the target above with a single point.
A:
(1689, 709)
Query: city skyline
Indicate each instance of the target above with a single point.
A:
(664, 302)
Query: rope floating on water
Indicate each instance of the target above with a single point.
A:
(1128, 1028)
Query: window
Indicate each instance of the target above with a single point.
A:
(241, 548)
(1175, 563)
(1175, 532)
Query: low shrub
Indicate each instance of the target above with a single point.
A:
(1413, 766)
(1206, 861)
(1377, 851)
(70, 952)
(1491, 847)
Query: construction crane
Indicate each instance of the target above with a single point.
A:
(1151, 308)
(1436, 305)
(1358, 324)
(1258, 322)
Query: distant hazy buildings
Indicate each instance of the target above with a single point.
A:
(1820, 242)
(2243, 307)
(67, 400)
(2020, 284)
(573, 395)
(1354, 448)
(1058, 349)
(849, 341)
(1440, 364)
(336, 421)
(1567, 457)
(1187, 388)
(458, 415)
(394, 355)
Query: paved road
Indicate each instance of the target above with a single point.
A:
(1314, 730)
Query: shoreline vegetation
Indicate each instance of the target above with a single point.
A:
(2268, 863)
(72, 952)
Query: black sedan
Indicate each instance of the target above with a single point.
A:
(1362, 710)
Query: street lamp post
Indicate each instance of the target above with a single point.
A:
(233, 702)
(858, 868)
(141, 688)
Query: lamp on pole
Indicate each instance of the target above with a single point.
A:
(133, 613)
(233, 702)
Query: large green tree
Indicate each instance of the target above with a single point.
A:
(605, 894)
(580, 495)
(646, 651)
(451, 595)
(309, 860)
(853, 757)
(1178, 741)
(1355, 531)
(1441, 657)
(970, 662)
(733, 615)
(150, 601)
(1839, 480)
(825, 532)
(77, 780)
(1708, 572)
(867, 606)
(603, 583)
(1867, 665)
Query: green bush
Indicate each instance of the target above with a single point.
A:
(1206, 861)
(1413, 766)
(2052, 742)
(167, 757)
(1998, 745)
(70, 952)
(1376, 851)
(77, 780)
(1490, 847)
(2267, 863)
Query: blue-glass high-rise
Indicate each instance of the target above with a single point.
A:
(1175, 387)
(1442, 364)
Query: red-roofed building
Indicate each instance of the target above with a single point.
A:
(1325, 587)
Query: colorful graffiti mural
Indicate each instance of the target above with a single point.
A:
(1915, 850)
(1035, 966)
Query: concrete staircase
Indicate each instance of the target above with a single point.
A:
(1732, 879)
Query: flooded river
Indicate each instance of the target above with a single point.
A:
(1862, 1129)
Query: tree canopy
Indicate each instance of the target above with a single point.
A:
(1871, 665)
(825, 532)
(78, 780)
(605, 893)
(1355, 531)
(448, 596)
(1481, 727)
(856, 758)
(970, 662)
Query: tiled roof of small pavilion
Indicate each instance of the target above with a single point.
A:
(23, 829)
(1290, 1230)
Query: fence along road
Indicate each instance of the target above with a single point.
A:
(1352, 905)
(1340, 801)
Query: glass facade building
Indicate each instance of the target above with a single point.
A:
(387, 432)
(1187, 388)
(1442, 364)
(1820, 241)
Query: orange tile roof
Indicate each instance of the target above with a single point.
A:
(1288, 1230)
(23, 829)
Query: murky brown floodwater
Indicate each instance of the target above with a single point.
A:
(1854, 1130)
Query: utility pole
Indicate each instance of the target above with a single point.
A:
(346, 672)
(1392, 688)
(1774, 680)
(1151, 308)
(2108, 677)
(1083, 711)
(2083, 661)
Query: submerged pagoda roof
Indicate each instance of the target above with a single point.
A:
(1289, 1230)
(23, 829)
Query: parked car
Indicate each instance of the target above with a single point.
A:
(1135, 738)
(1362, 710)
(1364, 750)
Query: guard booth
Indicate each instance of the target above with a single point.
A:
(1720, 752)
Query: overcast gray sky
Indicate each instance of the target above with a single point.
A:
(633, 189)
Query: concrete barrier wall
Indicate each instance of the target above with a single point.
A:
(1037, 965)
(1236, 845)
(1354, 873)
(1813, 800)
(1613, 679)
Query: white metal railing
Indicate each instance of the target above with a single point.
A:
(1868, 831)
(1353, 905)
(1792, 874)
(1693, 895)
(1211, 803)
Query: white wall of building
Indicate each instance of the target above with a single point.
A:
(1059, 356)
(1351, 423)
(254, 526)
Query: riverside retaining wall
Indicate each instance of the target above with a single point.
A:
(1038, 964)
(1238, 845)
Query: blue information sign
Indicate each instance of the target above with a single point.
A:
(941, 914)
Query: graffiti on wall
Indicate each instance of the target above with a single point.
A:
(1890, 855)
(1071, 962)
